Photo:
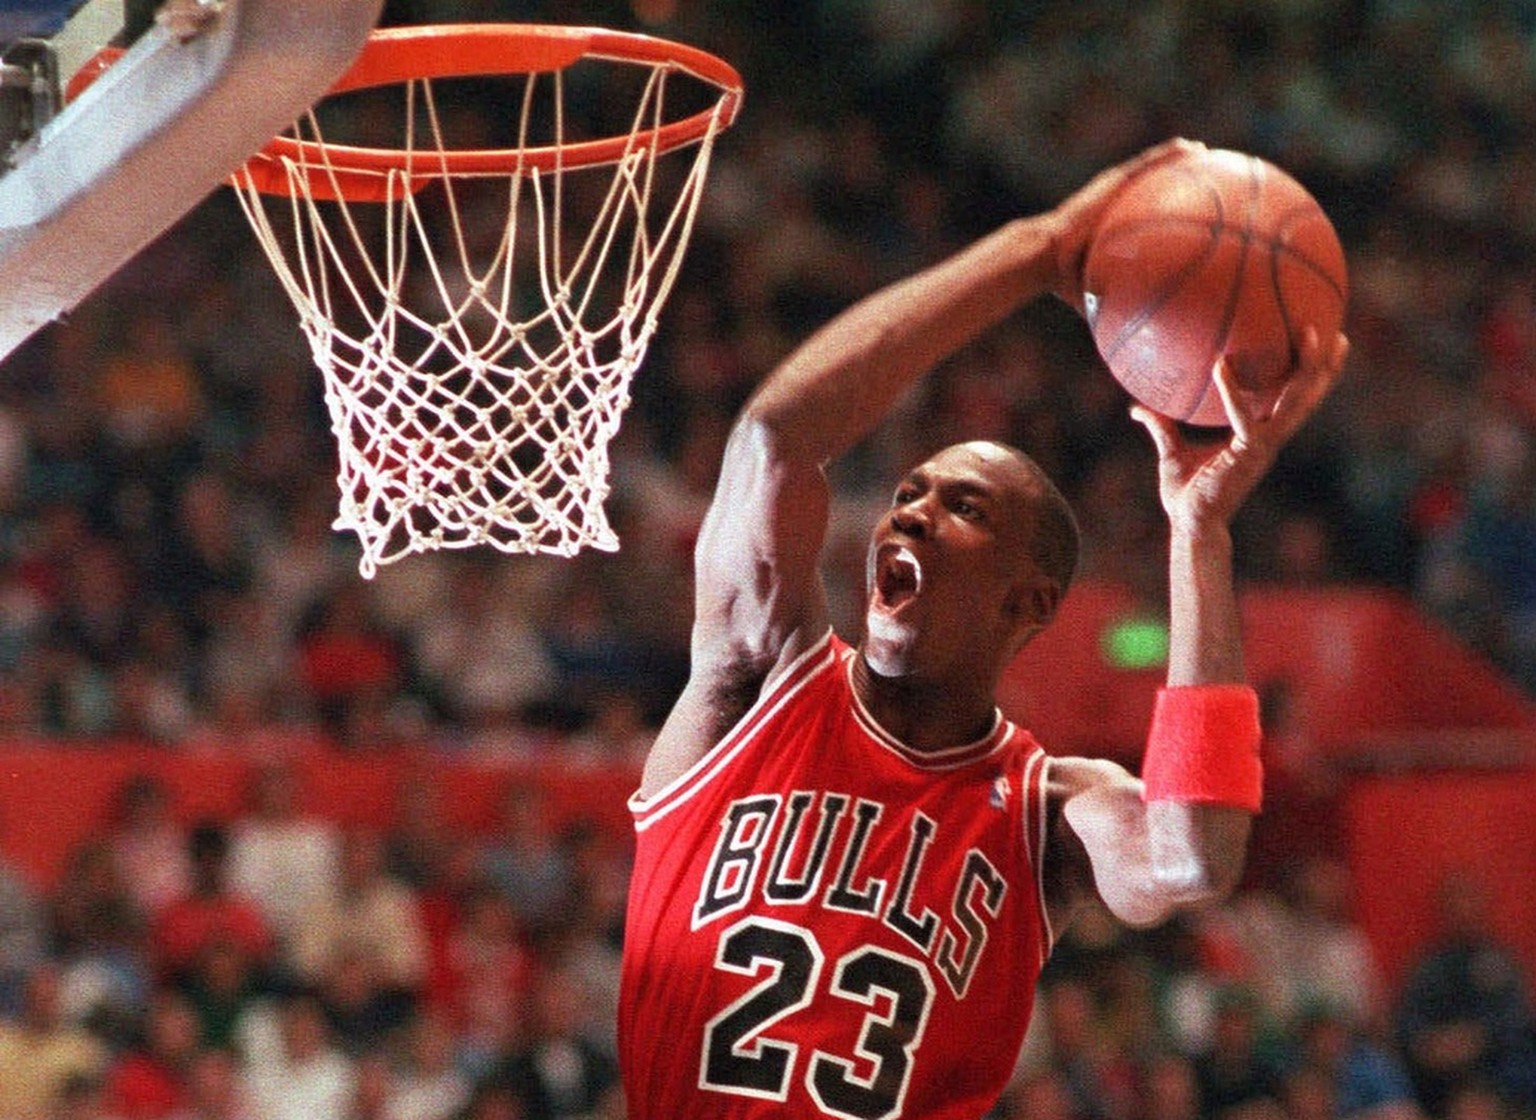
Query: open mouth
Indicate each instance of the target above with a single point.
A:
(898, 578)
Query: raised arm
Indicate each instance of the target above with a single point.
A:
(1179, 837)
(758, 599)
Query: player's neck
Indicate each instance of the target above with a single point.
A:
(926, 715)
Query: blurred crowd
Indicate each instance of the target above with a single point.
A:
(168, 573)
(273, 965)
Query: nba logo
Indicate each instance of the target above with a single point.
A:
(1000, 791)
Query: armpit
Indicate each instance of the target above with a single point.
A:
(732, 692)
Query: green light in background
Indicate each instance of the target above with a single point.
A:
(1135, 643)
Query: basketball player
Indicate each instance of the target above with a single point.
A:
(850, 868)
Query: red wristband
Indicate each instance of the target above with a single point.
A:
(1203, 747)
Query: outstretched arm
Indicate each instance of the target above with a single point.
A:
(758, 599)
(840, 383)
(1180, 837)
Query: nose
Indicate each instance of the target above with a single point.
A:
(911, 520)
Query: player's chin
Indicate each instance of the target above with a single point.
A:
(888, 644)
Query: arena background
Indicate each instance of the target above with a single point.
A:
(177, 617)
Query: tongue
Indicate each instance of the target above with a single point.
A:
(898, 581)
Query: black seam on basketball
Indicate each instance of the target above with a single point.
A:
(1150, 309)
(1215, 228)
(1229, 313)
(1205, 395)
(1311, 266)
(1285, 248)
(1172, 171)
(1285, 312)
(1274, 244)
(1152, 221)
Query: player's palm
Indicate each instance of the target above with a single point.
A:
(1205, 483)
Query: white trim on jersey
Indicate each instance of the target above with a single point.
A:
(949, 758)
(1037, 843)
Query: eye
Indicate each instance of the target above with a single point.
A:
(903, 495)
(967, 509)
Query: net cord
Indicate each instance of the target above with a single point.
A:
(413, 477)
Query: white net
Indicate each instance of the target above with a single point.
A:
(478, 332)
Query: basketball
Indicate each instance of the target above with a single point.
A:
(1215, 253)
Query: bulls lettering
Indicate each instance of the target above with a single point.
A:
(783, 849)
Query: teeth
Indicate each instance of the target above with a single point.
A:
(899, 575)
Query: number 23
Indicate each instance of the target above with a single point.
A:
(738, 1059)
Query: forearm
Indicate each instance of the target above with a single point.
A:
(1179, 837)
(835, 388)
(1201, 777)
(1204, 627)
(1198, 837)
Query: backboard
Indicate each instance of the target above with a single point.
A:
(85, 186)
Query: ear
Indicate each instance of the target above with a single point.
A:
(1032, 603)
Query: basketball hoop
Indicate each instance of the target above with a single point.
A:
(477, 311)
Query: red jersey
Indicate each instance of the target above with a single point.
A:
(825, 922)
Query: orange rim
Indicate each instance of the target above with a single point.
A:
(396, 55)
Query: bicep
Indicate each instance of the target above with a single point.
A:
(758, 600)
(756, 574)
(1101, 847)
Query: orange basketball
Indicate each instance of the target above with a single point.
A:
(1213, 253)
